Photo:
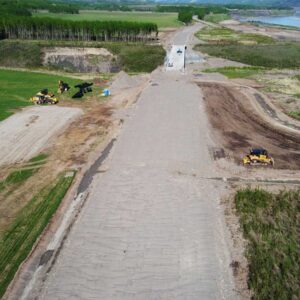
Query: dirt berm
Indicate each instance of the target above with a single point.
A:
(239, 127)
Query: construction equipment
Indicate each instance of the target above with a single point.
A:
(62, 87)
(258, 156)
(43, 97)
(85, 87)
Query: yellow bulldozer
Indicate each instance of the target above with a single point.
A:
(258, 156)
(43, 97)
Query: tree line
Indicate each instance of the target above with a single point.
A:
(25, 7)
(56, 29)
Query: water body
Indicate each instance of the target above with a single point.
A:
(277, 20)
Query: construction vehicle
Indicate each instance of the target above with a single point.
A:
(258, 156)
(85, 87)
(62, 87)
(43, 97)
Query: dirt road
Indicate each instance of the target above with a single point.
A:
(28, 132)
(151, 227)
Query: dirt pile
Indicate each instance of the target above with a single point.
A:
(239, 127)
(124, 81)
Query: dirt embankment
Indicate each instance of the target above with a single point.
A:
(239, 127)
(82, 60)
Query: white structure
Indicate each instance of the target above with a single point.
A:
(176, 58)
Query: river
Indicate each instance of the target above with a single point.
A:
(277, 20)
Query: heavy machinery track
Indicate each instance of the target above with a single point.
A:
(239, 127)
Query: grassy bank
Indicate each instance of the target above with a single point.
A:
(17, 87)
(216, 18)
(225, 36)
(271, 224)
(18, 240)
(162, 20)
(275, 56)
(252, 49)
(132, 57)
(236, 72)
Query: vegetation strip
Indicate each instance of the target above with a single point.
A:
(18, 240)
(277, 56)
(271, 224)
(20, 175)
(236, 72)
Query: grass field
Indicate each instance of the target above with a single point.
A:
(225, 36)
(271, 224)
(252, 49)
(17, 87)
(216, 18)
(275, 56)
(17, 241)
(163, 20)
(235, 72)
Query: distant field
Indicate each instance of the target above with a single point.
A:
(17, 87)
(216, 18)
(162, 20)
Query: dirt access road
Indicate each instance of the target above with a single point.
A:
(151, 227)
(31, 130)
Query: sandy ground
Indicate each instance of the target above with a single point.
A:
(71, 51)
(30, 131)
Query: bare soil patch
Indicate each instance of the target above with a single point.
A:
(239, 127)
(75, 59)
(28, 132)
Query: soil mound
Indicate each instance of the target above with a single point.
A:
(124, 81)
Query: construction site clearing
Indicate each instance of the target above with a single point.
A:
(239, 126)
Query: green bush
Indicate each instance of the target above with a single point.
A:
(185, 17)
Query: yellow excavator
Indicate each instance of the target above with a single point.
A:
(258, 156)
(43, 97)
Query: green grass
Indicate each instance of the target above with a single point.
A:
(271, 223)
(216, 18)
(19, 176)
(17, 87)
(19, 54)
(225, 36)
(18, 240)
(297, 77)
(235, 72)
(275, 56)
(163, 20)
(38, 158)
(131, 57)
(295, 114)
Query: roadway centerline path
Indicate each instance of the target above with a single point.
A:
(150, 228)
